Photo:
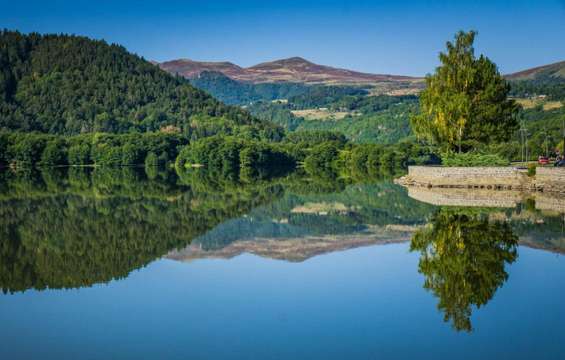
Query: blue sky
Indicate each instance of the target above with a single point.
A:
(398, 37)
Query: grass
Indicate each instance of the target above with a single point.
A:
(322, 114)
(528, 103)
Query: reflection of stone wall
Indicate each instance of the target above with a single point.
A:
(466, 197)
(550, 202)
(554, 202)
(487, 177)
(551, 178)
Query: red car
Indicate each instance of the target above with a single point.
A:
(543, 160)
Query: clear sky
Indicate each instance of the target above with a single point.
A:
(398, 37)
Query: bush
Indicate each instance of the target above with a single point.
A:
(532, 170)
(473, 159)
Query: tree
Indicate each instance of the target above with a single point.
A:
(55, 153)
(465, 99)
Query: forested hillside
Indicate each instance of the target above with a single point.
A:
(62, 84)
(548, 80)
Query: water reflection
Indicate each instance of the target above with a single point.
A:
(82, 227)
(463, 257)
(68, 228)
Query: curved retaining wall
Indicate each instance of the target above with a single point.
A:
(549, 179)
(482, 176)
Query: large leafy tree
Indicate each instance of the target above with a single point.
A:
(465, 99)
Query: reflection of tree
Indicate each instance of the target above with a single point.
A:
(463, 259)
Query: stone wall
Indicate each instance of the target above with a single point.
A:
(469, 177)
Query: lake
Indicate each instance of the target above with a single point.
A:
(134, 264)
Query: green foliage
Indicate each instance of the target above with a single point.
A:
(236, 158)
(79, 154)
(55, 153)
(62, 84)
(545, 129)
(27, 150)
(235, 92)
(151, 159)
(552, 87)
(279, 114)
(321, 161)
(473, 159)
(322, 96)
(465, 99)
(532, 170)
(314, 137)
(374, 160)
(384, 126)
(463, 256)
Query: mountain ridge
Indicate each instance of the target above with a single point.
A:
(555, 70)
(300, 70)
(293, 69)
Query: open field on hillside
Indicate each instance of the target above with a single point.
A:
(323, 114)
(532, 103)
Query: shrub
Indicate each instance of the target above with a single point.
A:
(473, 159)
(532, 170)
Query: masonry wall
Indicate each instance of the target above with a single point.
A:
(548, 179)
(487, 177)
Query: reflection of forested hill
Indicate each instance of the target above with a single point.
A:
(80, 233)
(299, 248)
(298, 226)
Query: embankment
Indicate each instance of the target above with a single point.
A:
(546, 179)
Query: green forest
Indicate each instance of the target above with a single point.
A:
(70, 85)
(71, 101)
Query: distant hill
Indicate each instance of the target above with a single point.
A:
(191, 69)
(547, 80)
(64, 84)
(555, 70)
(294, 69)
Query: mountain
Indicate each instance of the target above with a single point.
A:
(190, 69)
(294, 69)
(68, 85)
(555, 70)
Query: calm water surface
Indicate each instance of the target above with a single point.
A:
(118, 264)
